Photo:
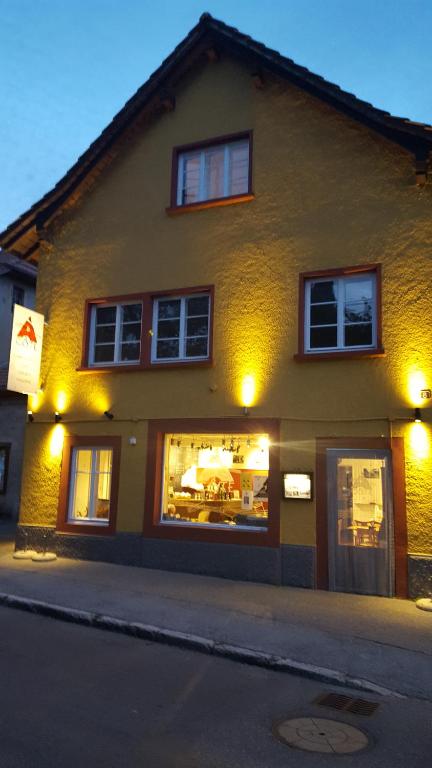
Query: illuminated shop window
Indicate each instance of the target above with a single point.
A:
(213, 172)
(115, 334)
(216, 480)
(90, 486)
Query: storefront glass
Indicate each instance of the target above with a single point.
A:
(217, 480)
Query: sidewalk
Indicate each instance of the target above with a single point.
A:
(368, 641)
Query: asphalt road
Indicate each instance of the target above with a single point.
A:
(72, 696)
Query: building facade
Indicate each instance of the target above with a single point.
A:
(17, 286)
(236, 278)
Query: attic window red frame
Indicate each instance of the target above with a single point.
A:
(178, 151)
(351, 353)
(147, 301)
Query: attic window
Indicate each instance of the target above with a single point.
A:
(212, 171)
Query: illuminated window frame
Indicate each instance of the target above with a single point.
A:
(72, 442)
(305, 352)
(154, 528)
(183, 336)
(94, 479)
(148, 301)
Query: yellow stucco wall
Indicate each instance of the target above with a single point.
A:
(329, 193)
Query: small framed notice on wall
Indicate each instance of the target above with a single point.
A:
(297, 485)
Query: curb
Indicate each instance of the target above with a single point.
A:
(194, 643)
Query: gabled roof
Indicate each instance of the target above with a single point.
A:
(23, 235)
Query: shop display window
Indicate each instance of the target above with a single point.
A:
(216, 480)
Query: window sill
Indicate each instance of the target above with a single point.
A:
(146, 367)
(202, 205)
(86, 529)
(305, 357)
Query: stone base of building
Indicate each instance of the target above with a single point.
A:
(287, 565)
(420, 576)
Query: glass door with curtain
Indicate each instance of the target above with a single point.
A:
(360, 521)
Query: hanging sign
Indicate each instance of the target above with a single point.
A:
(25, 351)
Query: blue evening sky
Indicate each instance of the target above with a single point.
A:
(67, 66)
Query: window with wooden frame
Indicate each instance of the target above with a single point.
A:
(115, 333)
(181, 326)
(213, 480)
(140, 331)
(89, 484)
(215, 172)
(340, 312)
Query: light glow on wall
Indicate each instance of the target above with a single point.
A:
(416, 382)
(56, 441)
(248, 391)
(419, 440)
(61, 401)
(34, 401)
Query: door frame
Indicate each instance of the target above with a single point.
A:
(396, 447)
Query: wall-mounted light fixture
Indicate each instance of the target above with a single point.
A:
(108, 415)
(417, 416)
(57, 417)
(30, 415)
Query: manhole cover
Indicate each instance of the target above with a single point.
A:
(315, 734)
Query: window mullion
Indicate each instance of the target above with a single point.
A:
(182, 340)
(340, 312)
(155, 329)
(202, 179)
(92, 334)
(307, 318)
(71, 514)
(226, 174)
(92, 484)
(180, 180)
(117, 333)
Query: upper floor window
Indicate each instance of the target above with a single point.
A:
(212, 171)
(171, 327)
(341, 311)
(18, 296)
(115, 334)
(181, 327)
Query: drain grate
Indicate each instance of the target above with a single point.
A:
(347, 704)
